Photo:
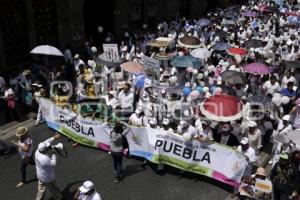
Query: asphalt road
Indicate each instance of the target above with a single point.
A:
(84, 163)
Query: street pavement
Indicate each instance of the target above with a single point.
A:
(84, 163)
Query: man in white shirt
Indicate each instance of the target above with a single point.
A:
(249, 153)
(77, 62)
(271, 86)
(87, 191)
(45, 163)
(126, 99)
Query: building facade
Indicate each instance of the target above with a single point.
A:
(25, 24)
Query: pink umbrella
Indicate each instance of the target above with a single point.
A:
(250, 13)
(133, 67)
(257, 69)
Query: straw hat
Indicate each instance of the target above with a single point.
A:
(21, 131)
(26, 72)
(261, 171)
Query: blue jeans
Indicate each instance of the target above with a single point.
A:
(117, 159)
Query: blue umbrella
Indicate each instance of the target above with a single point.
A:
(186, 61)
(279, 2)
(204, 22)
(221, 46)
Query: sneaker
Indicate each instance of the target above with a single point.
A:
(117, 180)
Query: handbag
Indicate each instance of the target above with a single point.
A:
(11, 103)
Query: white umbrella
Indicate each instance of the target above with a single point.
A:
(46, 50)
(201, 53)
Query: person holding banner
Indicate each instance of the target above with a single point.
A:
(117, 150)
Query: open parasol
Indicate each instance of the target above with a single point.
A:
(133, 67)
(257, 69)
(189, 42)
(223, 108)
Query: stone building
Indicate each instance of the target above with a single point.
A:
(25, 24)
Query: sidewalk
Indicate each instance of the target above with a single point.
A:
(9, 129)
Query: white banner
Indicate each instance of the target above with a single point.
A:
(111, 52)
(151, 66)
(210, 159)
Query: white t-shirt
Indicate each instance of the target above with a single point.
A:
(45, 164)
(271, 89)
(285, 81)
(126, 100)
(250, 153)
(94, 196)
(8, 92)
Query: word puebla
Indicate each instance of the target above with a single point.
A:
(77, 127)
(180, 150)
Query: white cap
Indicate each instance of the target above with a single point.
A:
(286, 117)
(252, 124)
(43, 145)
(153, 121)
(76, 56)
(245, 141)
(166, 121)
(138, 110)
(113, 93)
(86, 186)
(200, 76)
(187, 84)
(125, 48)
(183, 123)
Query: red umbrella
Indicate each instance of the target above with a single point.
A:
(222, 108)
(237, 51)
(133, 67)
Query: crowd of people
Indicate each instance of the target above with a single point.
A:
(264, 33)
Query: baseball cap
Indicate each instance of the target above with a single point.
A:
(244, 141)
(252, 124)
(286, 117)
(43, 145)
(86, 186)
(166, 121)
(138, 110)
(183, 123)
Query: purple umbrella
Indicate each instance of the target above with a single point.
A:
(250, 13)
(204, 22)
(257, 69)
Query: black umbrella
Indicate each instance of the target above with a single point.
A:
(222, 33)
(233, 77)
(254, 43)
(290, 64)
(227, 90)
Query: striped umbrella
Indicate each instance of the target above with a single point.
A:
(262, 101)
